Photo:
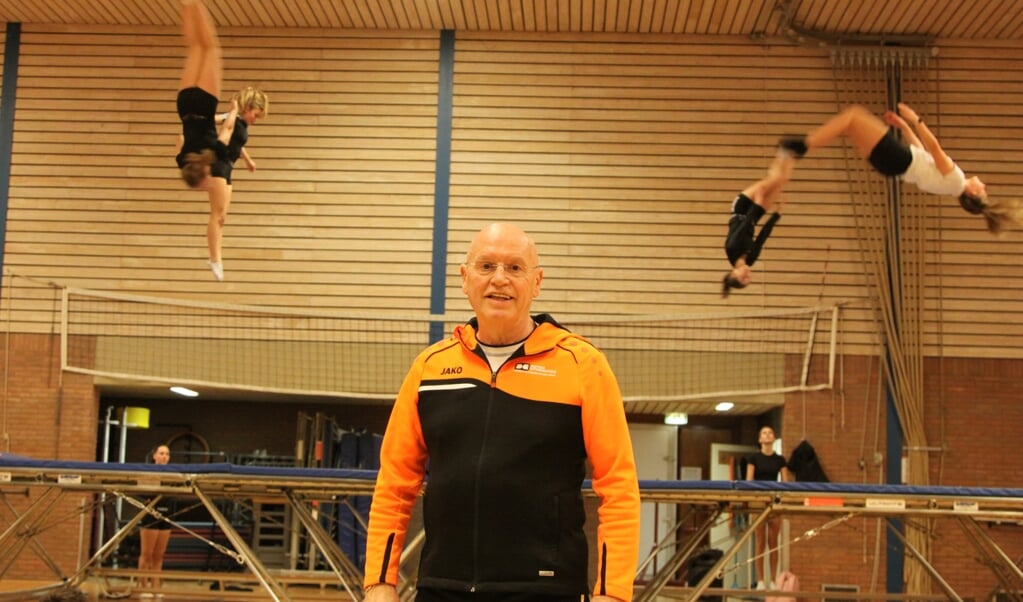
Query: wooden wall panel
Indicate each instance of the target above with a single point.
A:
(620, 152)
(343, 192)
(975, 281)
(623, 155)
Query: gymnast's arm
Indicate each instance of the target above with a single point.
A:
(248, 160)
(765, 232)
(907, 130)
(227, 127)
(926, 138)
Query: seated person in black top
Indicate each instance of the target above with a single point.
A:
(741, 246)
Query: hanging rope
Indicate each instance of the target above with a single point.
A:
(892, 230)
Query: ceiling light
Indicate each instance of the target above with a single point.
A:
(724, 406)
(676, 418)
(185, 391)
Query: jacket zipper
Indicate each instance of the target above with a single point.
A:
(476, 487)
(479, 468)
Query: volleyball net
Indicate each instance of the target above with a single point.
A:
(660, 361)
(238, 347)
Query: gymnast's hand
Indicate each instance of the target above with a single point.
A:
(893, 119)
(908, 114)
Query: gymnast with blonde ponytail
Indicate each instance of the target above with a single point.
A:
(917, 158)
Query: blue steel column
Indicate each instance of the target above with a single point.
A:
(10, 87)
(894, 435)
(442, 175)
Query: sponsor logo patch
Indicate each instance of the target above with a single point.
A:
(536, 369)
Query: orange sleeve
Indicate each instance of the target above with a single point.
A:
(609, 448)
(402, 461)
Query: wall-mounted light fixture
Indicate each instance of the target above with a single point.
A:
(676, 418)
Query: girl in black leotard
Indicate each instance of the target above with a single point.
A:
(741, 246)
(206, 153)
(252, 105)
(201, 145)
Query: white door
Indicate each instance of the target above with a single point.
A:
(656, 449)
(724, 458)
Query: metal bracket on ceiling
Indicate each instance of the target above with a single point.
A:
(898, 45)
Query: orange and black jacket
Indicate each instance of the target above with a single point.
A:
(505, 453)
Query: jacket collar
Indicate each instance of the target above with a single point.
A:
(547, 334)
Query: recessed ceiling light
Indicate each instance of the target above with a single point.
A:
(185, 391)
(724, 406)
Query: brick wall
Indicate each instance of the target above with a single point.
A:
(972, 413)
(47, 415)
(975, 413)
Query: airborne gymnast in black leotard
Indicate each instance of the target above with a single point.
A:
(741, 246)
(207, 153)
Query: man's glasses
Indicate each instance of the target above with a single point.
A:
(511, 270)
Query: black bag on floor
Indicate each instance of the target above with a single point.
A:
(699, 565)
(805, 465)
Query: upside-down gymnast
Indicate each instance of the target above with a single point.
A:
(200, 144)
(741, 246)
(206, 154)
(918, 159)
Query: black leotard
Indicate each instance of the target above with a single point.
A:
(740, 241)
